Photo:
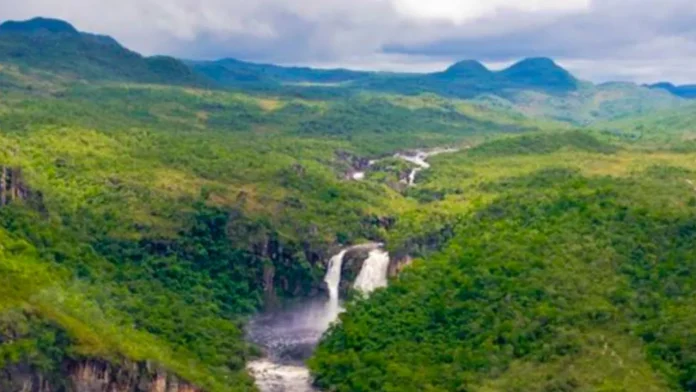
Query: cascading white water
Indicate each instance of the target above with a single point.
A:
(333, 281)
(373, 273)
(419, 159)
(289, 336)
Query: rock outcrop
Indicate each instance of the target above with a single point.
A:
(95, 375)
(397, 264)
(12, 186)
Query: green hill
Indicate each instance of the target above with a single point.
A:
(462, 80)
(56, 46)
(685, 91)
(537, 87)
(670, 126)
(589, 104)
(564, 279)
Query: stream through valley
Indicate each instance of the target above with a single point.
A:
(418, 158)
(289, 336)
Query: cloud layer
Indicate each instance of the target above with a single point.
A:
(641, 40)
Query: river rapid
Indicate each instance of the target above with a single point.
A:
(419, 158)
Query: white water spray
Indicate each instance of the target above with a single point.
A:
(373, 273)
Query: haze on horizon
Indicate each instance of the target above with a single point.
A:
(598, 40)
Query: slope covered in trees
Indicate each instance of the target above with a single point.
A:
(566, 278)
(168, 215)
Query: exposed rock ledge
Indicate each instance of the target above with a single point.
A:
(96, 376)
(398, 264)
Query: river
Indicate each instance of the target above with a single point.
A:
(419, 158)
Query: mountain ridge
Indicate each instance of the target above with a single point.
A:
(38, 24)
(535, 86)
(687, 91)
(58, 47)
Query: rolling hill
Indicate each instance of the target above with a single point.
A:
(685, 91)
(56, 46)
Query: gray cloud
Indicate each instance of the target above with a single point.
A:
(641, 40)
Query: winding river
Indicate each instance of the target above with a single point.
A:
(289, 336)
(419, 158)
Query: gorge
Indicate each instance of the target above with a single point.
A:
(288, 336)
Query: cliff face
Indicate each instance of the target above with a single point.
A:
(13, 188)
(398, 264)
(11, 185)
(95, 376)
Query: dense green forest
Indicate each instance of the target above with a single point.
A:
(149, 206)
(563, 281)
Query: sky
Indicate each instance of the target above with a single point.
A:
(598, 40)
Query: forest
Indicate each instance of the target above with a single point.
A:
(149, 207)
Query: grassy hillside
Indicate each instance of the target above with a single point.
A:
(534, 87)
(588, 104)
(673, 127)
(568, 268)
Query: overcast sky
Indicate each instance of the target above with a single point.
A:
(599, 40)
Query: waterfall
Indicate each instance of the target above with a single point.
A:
(290, 335)
(412, 176)
(333, 281)
(373, 274)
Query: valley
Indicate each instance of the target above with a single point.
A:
(210, 226)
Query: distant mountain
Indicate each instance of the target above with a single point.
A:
(685, 91)
(38, 25)
(540, 73)
(588, 104)
(232, 71)
(56, 46)
(467, 69)
(537, 87)
(464, 79)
